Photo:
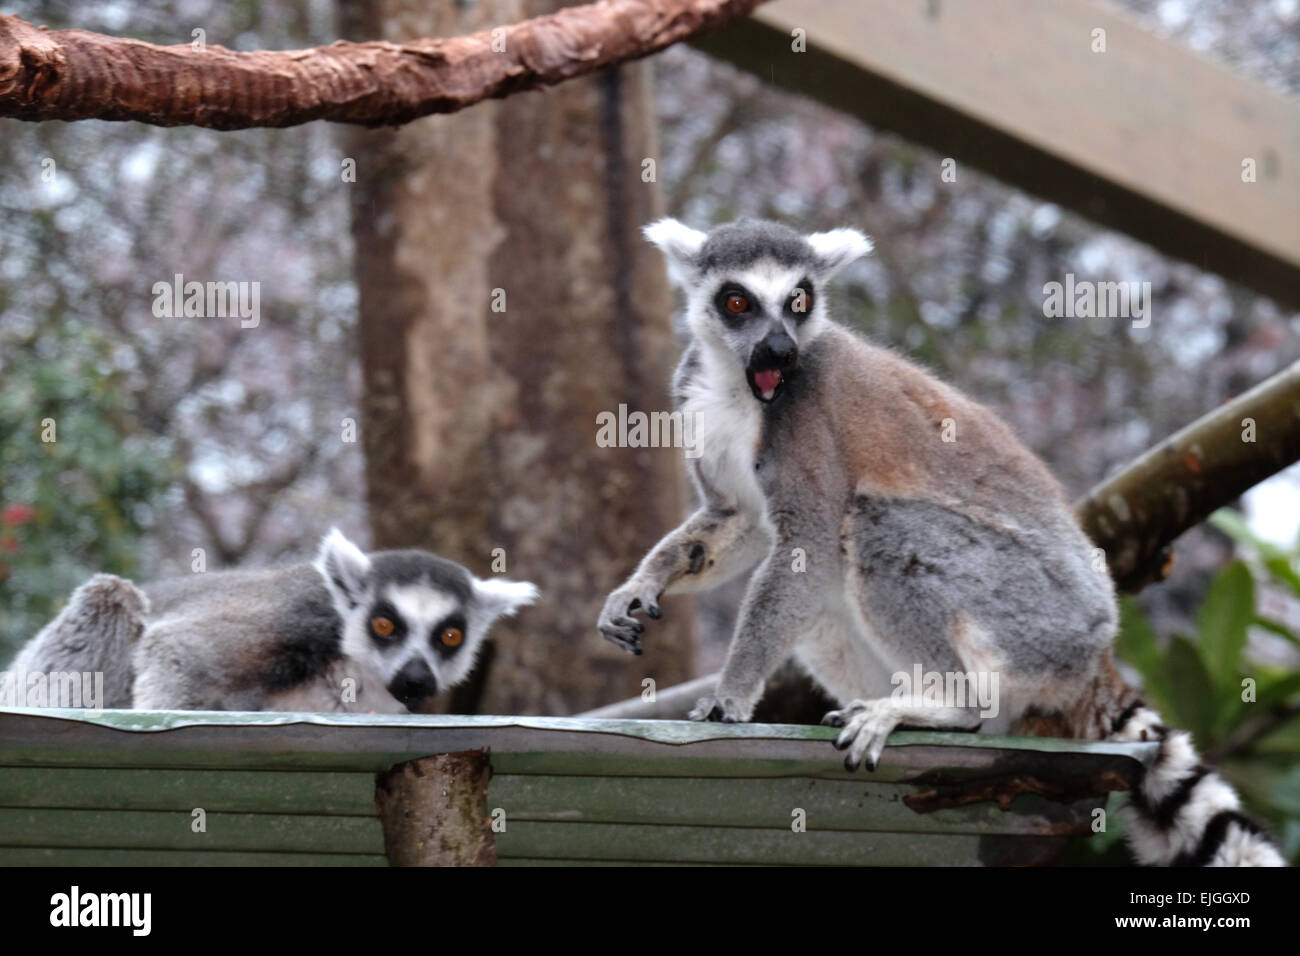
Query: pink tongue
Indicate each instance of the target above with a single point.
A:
(767, 381)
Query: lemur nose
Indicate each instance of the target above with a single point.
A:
(776, 350)
(413, 683)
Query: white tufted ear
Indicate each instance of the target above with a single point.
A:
(344, 567)
(499, 596)
(836, 249)
(679, 244)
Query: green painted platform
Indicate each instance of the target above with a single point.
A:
(120, 788)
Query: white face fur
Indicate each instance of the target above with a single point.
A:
(415, 618)
(755, 290)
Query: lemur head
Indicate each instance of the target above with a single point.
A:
(755, 288)
(416, 618)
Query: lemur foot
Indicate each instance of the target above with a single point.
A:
(616, 621)
(726, 710)
(867, 725)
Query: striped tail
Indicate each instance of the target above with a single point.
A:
(1182, 813)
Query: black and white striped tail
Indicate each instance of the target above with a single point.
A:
(1183, 813)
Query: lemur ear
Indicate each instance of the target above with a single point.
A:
(679, 244)
(836, 249)
(344, 567)
(499, 597)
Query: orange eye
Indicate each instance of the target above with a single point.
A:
(381, 626)
(452, 637)
(737, 304)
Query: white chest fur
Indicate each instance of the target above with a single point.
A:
(727, 421)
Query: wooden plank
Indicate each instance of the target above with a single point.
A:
(362, 742)
(1147, 137)
(50, 856)
(320, 794)
(142, 829)
(581, 842)
(739, 802)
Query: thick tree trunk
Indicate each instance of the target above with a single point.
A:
(480, 425)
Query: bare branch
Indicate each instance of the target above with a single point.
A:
(75, 75)
(1136, 514)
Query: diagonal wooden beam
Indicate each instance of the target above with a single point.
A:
(1146, 137)
(75, 75)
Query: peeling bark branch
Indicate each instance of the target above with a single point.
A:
(1136, 514)
(76, 75)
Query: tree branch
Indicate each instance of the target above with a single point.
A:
(75, 75)
(1135, 515)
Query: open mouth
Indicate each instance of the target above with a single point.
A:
(765, 383)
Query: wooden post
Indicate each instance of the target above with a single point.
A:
(434, 811)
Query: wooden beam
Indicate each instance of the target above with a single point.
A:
(1146, 137)
(434, 811)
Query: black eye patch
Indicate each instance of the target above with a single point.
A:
(449, 635)
(381, 612)
(800, 303)
(735, 304)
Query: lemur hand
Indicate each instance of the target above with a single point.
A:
(616, 620)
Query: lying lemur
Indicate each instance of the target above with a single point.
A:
(353, 632)
(893, 522)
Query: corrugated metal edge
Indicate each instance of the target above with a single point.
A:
(670, 732)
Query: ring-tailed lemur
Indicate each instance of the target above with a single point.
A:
(352, 632)
(880, 545)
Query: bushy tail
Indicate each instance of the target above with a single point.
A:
(95, 633)
(1182, 813)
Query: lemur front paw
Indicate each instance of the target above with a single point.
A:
(726, 710)
(616, 621)
(867, 725)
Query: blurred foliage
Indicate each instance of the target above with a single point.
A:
(94, 214)
(77, 504)
(1244, 715)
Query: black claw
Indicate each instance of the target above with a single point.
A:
(654, 612)
(840, 746)
(849, 765)
(715, 714)
(869, 765)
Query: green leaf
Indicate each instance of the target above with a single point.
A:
(1278, 628)
(1279, 563)
(1228, 611)
(1194, 693)
(1136, 644)
(1234, 525)
(1281, 570)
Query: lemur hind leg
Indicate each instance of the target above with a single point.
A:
(920, 578)
(931, 640)
(868, 723)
